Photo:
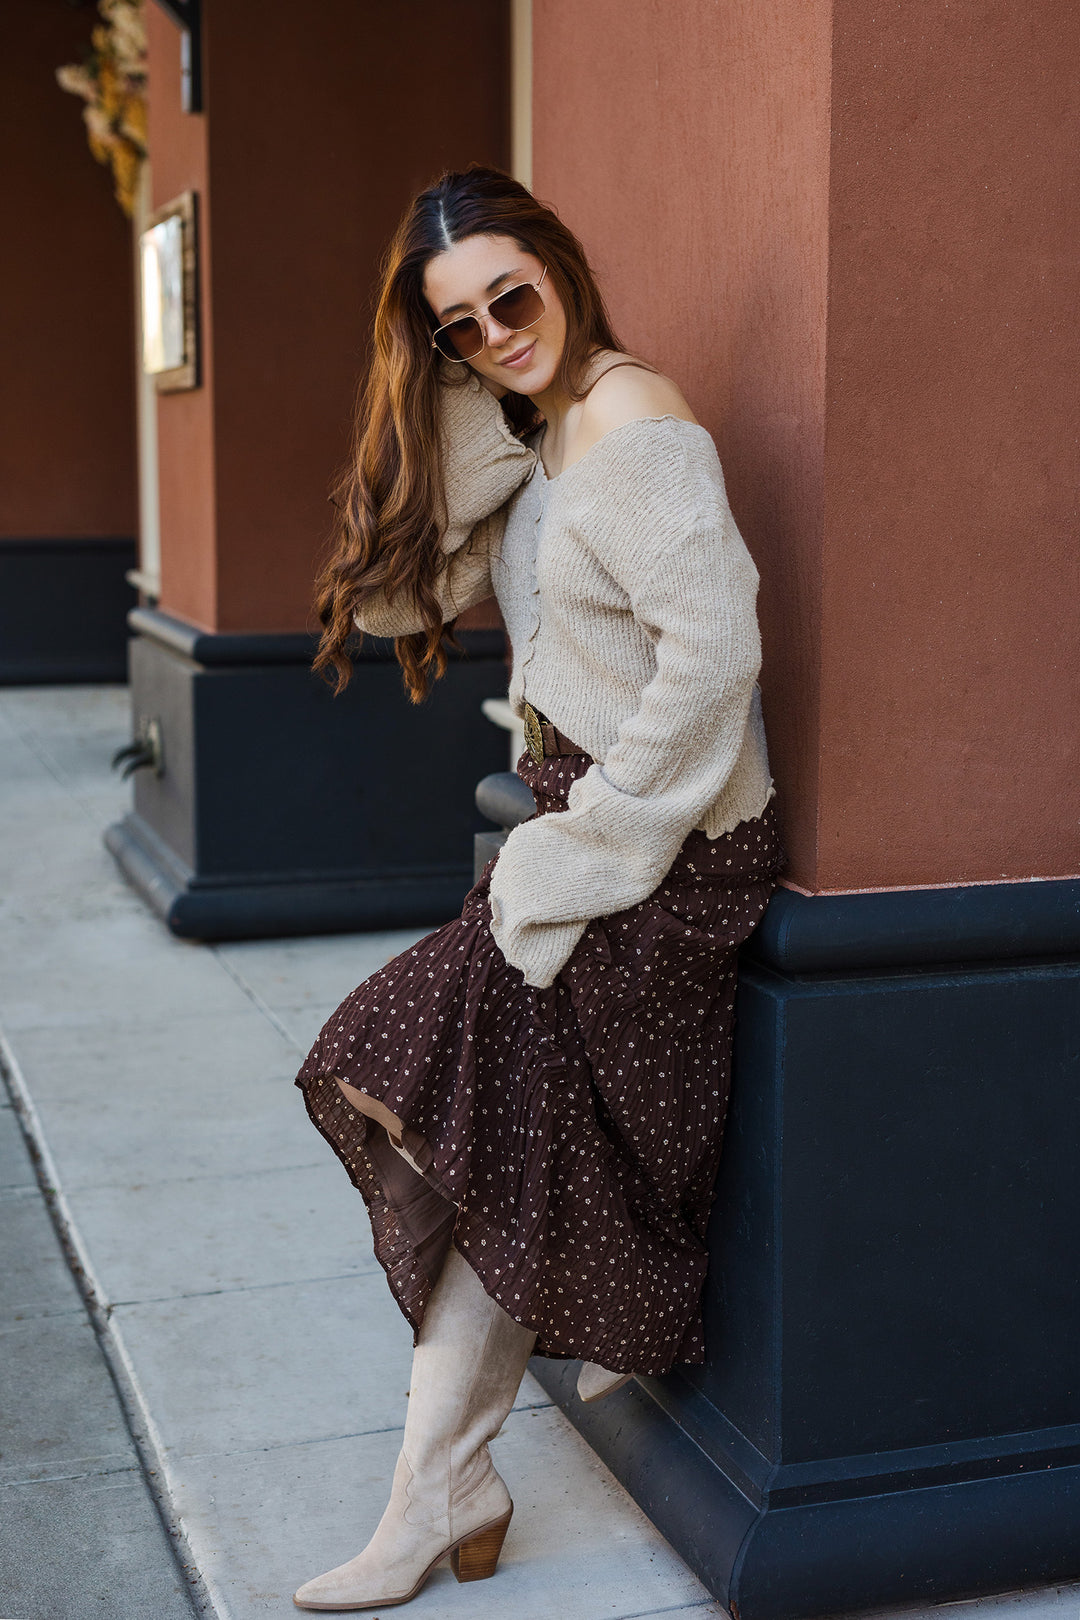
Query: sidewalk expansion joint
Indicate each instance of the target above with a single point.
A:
(242, 1288)
(678, 1608)
(14, 1195)
(333, 1439)
(292, 1445)
(63, 1479)
(127, 1184)
(43, 1314)
(79, 1468)
(257, 1002)
(63, 778)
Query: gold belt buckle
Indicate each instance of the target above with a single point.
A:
(534, 737)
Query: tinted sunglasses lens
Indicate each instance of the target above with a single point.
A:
(461, 340)
(518, 308)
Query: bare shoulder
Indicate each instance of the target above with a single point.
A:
(623, 394)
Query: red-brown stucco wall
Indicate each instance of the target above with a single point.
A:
(687, 145)
(847, 233)
(950, 675)
(316, 137)
(67, 403)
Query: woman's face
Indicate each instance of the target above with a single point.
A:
(466, 277)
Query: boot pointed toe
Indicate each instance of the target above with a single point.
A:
(355, 1585)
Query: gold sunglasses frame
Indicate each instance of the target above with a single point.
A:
(484, 311)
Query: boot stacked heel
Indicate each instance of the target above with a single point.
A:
(477, 1557)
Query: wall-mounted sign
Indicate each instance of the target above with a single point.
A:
(169, 277)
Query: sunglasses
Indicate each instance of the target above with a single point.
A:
(517, 308)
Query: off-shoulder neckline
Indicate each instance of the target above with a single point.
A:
(635, 421)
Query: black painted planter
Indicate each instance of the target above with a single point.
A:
(891, 1407)
(282, 810)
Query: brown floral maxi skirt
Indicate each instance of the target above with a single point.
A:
(566, 1140)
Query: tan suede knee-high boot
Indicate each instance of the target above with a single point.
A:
(447, 1497)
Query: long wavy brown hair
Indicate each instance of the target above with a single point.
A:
(390, 500)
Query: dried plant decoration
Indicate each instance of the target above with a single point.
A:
(112, 82)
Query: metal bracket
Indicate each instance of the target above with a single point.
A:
(145, 753)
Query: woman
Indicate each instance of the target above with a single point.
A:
(531, 1099)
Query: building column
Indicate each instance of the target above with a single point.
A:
(844, 231)
(273, 807)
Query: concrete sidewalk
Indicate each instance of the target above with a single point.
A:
(262, 1363)
(79, 1526)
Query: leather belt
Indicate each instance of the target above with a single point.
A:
(543, 739)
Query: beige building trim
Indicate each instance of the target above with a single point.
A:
(521, 76)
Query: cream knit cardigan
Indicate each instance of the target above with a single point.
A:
(629, 599)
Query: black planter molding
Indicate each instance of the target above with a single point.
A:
(63, 610)
(283, 810)
(914, 927)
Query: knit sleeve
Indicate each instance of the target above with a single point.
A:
(665, 533)
(483, 464)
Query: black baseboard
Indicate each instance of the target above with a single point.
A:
(63, 611)
(283, 810)
(946, 1539)
(889, 1413)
